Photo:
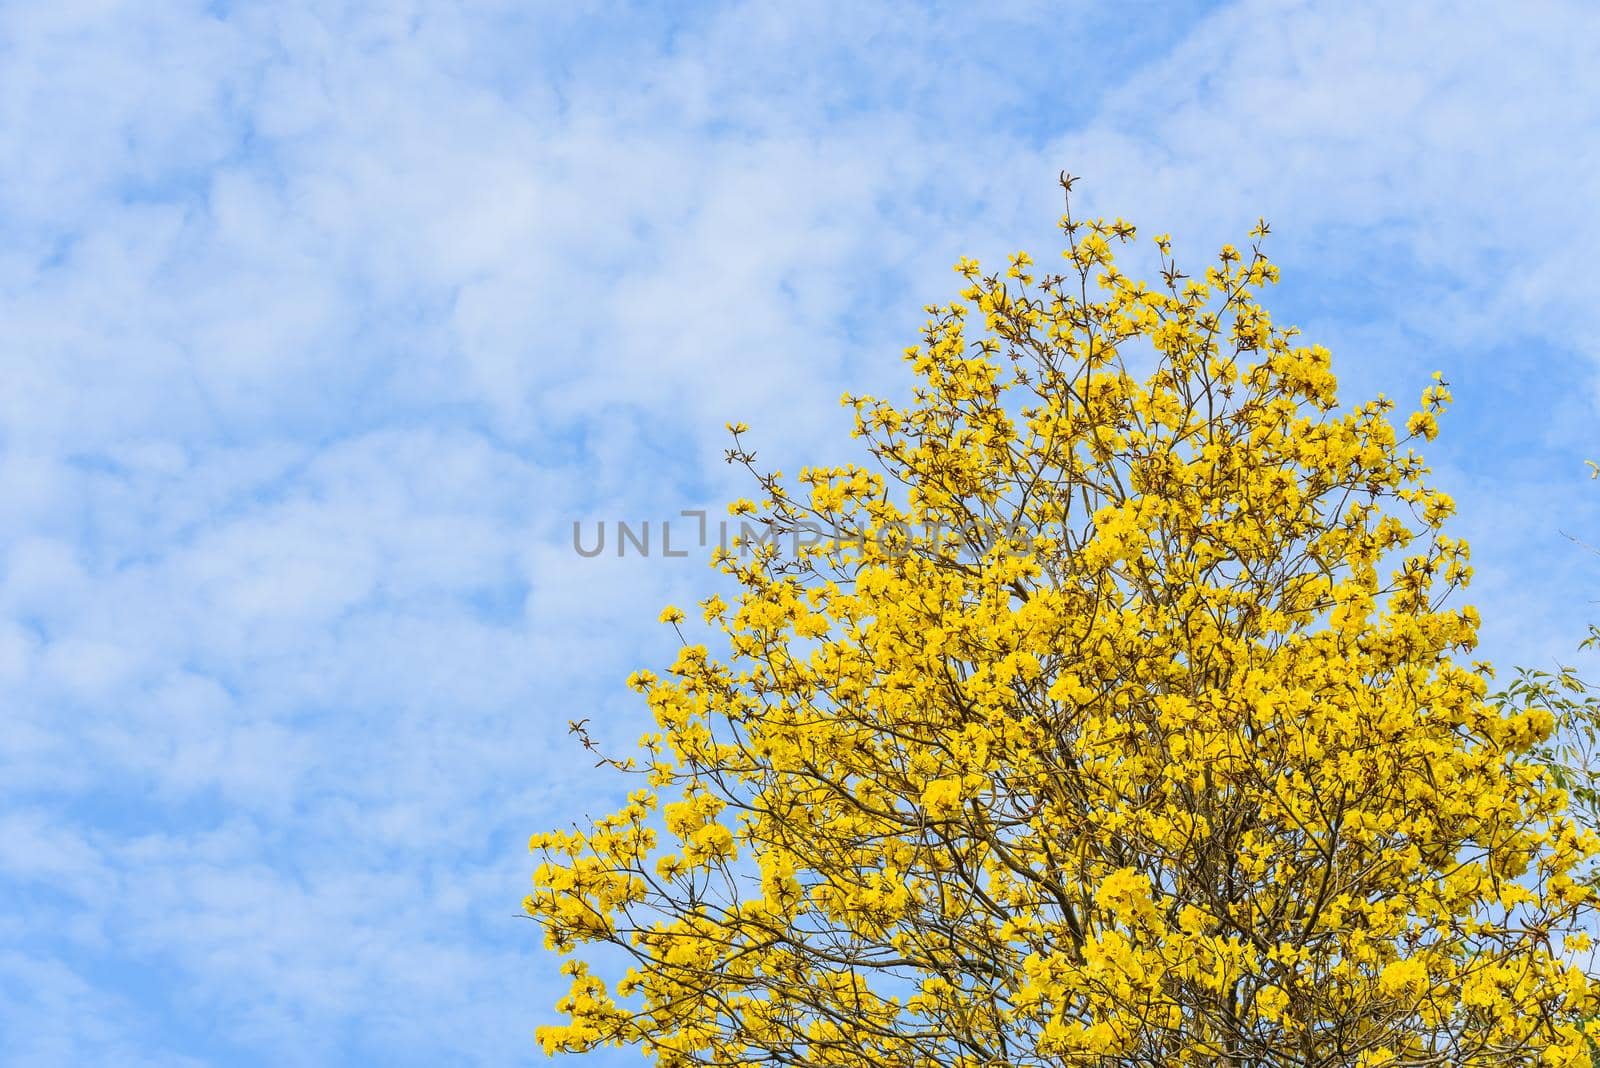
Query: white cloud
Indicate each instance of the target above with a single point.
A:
(1453, 145)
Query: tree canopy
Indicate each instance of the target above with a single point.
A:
(1116, 714)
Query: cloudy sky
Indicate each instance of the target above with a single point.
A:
(320, 323)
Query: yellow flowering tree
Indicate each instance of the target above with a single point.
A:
(1114, 716)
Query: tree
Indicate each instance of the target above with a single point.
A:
(1108, 719)
(1571, 754)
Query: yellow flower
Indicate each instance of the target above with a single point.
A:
(1128, 673)
(1423, 423)
(942, 798)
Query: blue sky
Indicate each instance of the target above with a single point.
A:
(322, 322)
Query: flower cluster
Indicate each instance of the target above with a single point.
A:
(1197, 777)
